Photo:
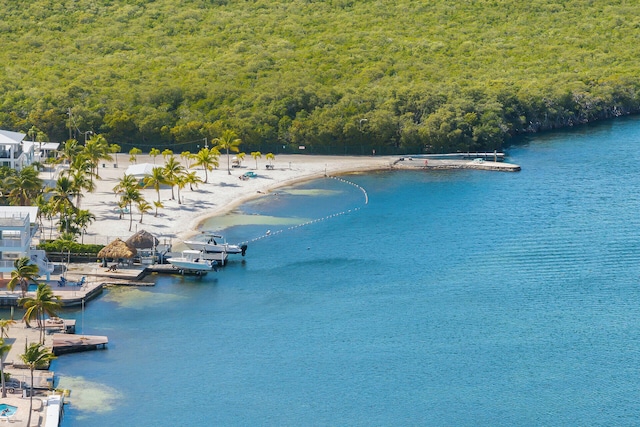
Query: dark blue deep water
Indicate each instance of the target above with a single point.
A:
(453, 298)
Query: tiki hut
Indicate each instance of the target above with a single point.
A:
(143, 240)
(117, 250)
(146, 244)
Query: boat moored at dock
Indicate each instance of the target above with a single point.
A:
(215, 243)
(192, 261)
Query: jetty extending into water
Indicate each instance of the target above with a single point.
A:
(495, 156)
(429, 163)
(71, 343)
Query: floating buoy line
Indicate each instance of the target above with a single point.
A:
(269, 233)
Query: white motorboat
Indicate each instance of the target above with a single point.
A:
(215, 243)
(192, 260)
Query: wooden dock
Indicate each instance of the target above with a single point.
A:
(170, 269)
(68, 343)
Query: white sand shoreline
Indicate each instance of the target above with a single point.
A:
(221, 194)
(224, 191)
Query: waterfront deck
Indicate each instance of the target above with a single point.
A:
(70, 343)
(46, 410)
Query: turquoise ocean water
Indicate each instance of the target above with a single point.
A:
(458, 298)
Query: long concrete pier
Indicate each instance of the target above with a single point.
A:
(432, 163)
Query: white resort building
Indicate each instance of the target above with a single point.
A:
(13, 153)
(18, 226)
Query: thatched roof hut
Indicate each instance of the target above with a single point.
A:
(117, 249)
(143, 240)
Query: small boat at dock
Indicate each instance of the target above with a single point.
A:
(192, 261)
(215, 243)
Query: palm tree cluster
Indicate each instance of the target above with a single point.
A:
(128, 189)
(19, 188)
(173, 174)
(64, 198)
(44, 303)
(61, 203)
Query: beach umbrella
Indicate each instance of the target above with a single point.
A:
(117, 249)
(143, 240)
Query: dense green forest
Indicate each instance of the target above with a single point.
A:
(335, 76)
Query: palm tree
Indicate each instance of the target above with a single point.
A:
(256, 155)
(186, 156)
(45, 210)
(45, 302)
(181, 182)
(41, 137)
(192, 179)
(38, 166)
(97, 149)
(35, 356)
(24, 186)
(115, 149)
(133, 154)
(83, 219)
(157, 205)
(228, 141)
(172, 170)
(60, 200)
(33, 132)
(5, 172)
(79, 172)
(65, 241)
(207, 158)
(129, 194)
(155, 180)
(166, 153)
(240, 157)
(69, 151)
(143, 207)
(24, 273)
(4, 327)
(154, 153)
(270, 157)
(4, 349)
(125, 182)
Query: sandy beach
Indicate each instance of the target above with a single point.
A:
(223, 191)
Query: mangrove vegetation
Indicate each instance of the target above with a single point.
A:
(332, 76)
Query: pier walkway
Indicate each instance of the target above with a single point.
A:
(428, 163)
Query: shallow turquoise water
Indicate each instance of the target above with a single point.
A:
(451, 298)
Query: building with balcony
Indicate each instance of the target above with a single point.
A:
(18, 226)
(13, 152)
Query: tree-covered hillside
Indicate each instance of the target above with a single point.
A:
(337, 76)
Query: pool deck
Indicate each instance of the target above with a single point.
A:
(19, 334)
(45, 412)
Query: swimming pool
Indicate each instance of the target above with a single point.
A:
(7, 410)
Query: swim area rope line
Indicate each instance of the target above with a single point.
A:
(270, 233)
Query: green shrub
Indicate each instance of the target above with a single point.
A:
(74, 248)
